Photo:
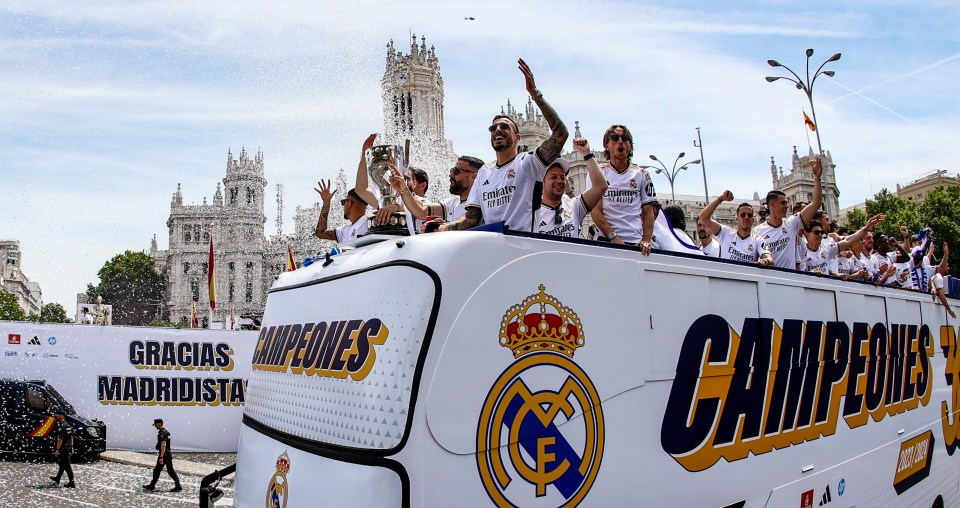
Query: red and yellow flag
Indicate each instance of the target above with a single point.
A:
(809, 122)
(291, 264)
(43, 430)
(195, 323)
(212, 280)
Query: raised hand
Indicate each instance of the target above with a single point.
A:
(818, 168)
(325, 193)
(368, 143)
(582, 146)
(904, 231)
(726, 196)
(396, 179)
(528, 76)
(872, 223)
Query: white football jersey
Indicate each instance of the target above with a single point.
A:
(821, 257)
(564, 220)
(781, 240)
(711, 249)
(453, 208)
(505, 193)
(623, 201)
(732, 246)
(352, 231)
(847, 266)
(936, 282)
(414, 224)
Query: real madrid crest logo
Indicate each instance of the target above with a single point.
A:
(277, 490)
(540, 434)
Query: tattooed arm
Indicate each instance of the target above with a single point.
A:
(472, 218)
(549, 150)
(326, 194)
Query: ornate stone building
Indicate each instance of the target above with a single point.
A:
(798, 183)
(246, 262)
(413, 109)
(13, 281)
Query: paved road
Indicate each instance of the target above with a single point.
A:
(100, 484)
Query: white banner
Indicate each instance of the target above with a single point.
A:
(127, 376)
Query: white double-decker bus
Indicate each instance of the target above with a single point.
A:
(492, 369)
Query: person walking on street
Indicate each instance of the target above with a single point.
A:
(63, 450)
(164, 458)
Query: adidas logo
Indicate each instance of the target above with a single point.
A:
(486, 182)
(826, 497)
(35, 341)
(543, 223)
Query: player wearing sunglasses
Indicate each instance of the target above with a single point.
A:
(626, 214)
(737, 244)
(820, 255)
(504, 189)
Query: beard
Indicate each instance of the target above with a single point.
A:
(457, 187)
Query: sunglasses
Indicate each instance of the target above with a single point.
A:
(818, 233)
(456, 171)
(503, 126)
(343, 202)
(745, 215)
(618, 137)
(558, 216)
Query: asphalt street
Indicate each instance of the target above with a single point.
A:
(102, 483)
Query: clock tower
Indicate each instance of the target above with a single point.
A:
(413, 109)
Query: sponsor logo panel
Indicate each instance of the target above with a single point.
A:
(13, 338)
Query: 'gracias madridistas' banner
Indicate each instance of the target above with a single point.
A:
(127, 376)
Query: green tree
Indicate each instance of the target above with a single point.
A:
(856, 219)
(940, 210)
(9, 307)
(897, 211)
(130, 283)
(53, 313)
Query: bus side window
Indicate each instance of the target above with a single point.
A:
(8, 402)
(37, 401)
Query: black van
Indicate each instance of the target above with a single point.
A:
(27, 421)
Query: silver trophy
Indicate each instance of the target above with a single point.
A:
(378, 157)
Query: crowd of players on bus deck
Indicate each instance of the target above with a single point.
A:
(621, 200)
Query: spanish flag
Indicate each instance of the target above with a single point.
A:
(291, 264)
(43, 430)
(809, 122)
(194, 323)
(212, 280)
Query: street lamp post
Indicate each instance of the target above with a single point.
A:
(671, 174)
(697, 143)
(806, 86)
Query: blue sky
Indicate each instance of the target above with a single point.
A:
(106, 106)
